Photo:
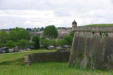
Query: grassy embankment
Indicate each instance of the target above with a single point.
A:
(99, 25)
(12, 64)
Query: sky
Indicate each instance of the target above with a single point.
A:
(61, 13)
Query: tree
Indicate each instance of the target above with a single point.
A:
(36, 42)
(50, 32)
(10, 44)
(3, 37)
(22, 44)
(19, 34)
(41, 29)
(1, 44)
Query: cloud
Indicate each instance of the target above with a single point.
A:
(37, 13)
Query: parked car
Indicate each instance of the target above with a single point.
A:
(4, 50)
(11, 50)
(51, 47)
(66, 46)
(58, 47)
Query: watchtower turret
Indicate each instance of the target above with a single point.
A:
(74, 25)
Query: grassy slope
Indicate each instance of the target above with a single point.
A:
(50, 68)
(16, 57)
(99, 25)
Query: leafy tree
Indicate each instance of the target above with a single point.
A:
(15, 35)
(41, 29)
(3, 37)
(10, 44)
(22, 44)
(50, 32)
(36, 42)
(19, 34)
(1, 44)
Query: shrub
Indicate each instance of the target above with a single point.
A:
(69, 39)
(44, 42)
(52, 42)
(22, 44)
(61, 42)
(10, 44)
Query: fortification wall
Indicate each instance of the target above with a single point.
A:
(92, 48)
(94, 28)
(50, 57)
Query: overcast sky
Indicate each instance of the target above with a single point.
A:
(38, 13)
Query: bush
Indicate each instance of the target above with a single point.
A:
(71, 34)
(44, 42)
(10, 44)
(69, 39)
(22, 44)
(52, 42)
(61, 42)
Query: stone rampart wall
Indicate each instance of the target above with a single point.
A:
(94, 29)
(50, 57)
(92, 49)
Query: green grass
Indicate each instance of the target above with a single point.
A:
(99, 25)
(17, 58)
(48, 69)
(10, 64)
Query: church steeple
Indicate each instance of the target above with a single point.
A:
(74, 25)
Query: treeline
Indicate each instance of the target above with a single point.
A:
(20, 38)
(17, 37)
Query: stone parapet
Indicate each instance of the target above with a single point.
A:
(94, 29)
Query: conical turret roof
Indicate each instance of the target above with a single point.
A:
(74, 22)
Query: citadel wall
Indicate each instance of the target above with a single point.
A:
(92, 48)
